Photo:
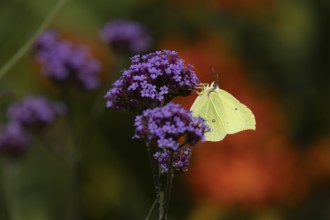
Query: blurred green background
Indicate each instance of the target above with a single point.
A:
(274, 55)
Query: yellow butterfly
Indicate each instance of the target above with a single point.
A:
(223, 113)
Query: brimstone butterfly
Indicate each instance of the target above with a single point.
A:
(223, 113)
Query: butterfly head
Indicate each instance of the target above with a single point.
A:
(210, 88)
(207, 88)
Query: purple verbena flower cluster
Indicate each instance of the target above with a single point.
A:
(126, 36)
(170, 126)
(13, 140)
(181, 159)
(35, 111)
(67, 63)
(151, 81)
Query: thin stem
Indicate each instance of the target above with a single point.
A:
(73, 157)
(11, 189)
(156, 176)
(161, 202)
(161, 193)
(154, 167)
(54, 11)
(168, 189)
(152, 209)
(41, 138)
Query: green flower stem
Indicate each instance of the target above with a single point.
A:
(161, 203)
(73, 157)
(54, 11)
(11, 190)
(156, 177)
(168, 189)
(154, 167)
(152, 209)
(163, 184)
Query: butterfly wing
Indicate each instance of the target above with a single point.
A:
(204, 108)
(198, 104)
(213, 120)
(234, 115)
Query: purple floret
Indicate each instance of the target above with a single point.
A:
(126, 36)
(181, 159)
(13, 140)
(151, 81)
(170, 127)
(67, 63)
(35, 111)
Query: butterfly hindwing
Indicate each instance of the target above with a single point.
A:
(199, 103)
(214, 120)
(235, 116)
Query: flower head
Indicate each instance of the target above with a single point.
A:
(13, 140)
(35, 111)
(181, 159)
(67, 63)
(170, 127)
(151, 81)
(127, 36)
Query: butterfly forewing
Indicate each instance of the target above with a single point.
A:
(204, 108)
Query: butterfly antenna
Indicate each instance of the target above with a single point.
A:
(216, 84)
